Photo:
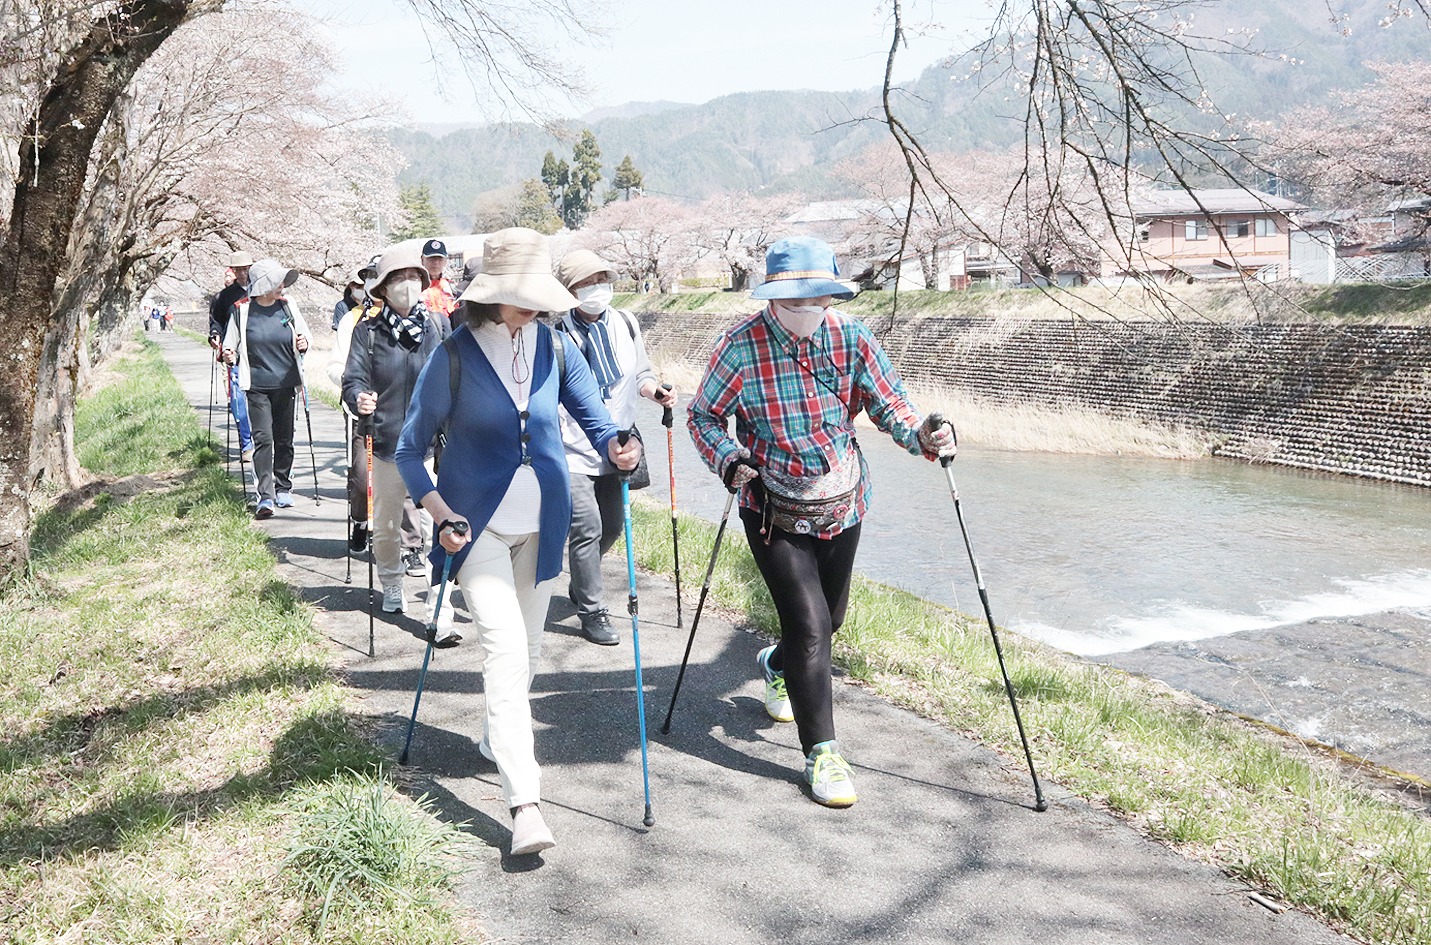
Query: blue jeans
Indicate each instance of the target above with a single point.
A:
(238, 405)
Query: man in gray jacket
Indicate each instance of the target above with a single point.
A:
(611, 341)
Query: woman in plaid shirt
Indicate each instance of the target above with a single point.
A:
(794, 376)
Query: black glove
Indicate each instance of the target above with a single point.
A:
(732, 471)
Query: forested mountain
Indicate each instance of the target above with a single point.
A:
(790, 140)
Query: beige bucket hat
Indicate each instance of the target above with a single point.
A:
(267, 275)
(582, 264)
(404, 255)
(240, 259)
(517, 270)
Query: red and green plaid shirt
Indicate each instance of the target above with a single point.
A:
(794, 400)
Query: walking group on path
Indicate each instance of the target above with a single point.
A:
(529, 429)
(515, 431)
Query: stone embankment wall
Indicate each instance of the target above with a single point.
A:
(1345, 399)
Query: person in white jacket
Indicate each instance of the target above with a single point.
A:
(612, 343)
(266, 340)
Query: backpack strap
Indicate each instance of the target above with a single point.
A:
(629, 320)
(454, 383)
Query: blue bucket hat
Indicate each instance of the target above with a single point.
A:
(801, 267)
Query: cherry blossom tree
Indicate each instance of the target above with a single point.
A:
(65, 64)
(1370, 148)
(299, 176)
(650, 238)
(737, 229)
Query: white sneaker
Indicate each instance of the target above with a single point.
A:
(393, 600)
(530, 833)
(831, 781)
(777, 700)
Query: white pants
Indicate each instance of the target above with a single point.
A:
(389, 495)
(509, 612)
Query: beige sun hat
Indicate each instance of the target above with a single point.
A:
(582, 264)
(517, 270)
(240, 259)
(405, 255)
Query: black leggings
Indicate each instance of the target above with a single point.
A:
(809, 580)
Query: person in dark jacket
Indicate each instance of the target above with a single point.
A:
(221, 309)
(385, 357)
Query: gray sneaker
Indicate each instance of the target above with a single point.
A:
(831, 780)
(598, 629)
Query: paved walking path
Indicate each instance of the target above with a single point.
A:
(943, 846)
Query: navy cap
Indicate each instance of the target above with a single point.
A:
(434, 248)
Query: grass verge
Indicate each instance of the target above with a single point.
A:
(1261, 807)
(179, 762)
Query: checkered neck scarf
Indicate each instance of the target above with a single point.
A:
(408, 328)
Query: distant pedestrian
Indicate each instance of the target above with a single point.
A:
(265, 338)
(352, 298)
(439, 296)
(793, 377)
(168, 318)
(611, 341)
(221, 309)
(503, 472)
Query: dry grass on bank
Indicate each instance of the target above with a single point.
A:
(1026, 427)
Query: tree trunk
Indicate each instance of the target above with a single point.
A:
(52, 453)
(52, 170)
(739, 277)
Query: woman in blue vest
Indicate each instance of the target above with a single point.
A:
(504, 473)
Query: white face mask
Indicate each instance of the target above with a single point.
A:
(402, 294)
(594, 298)
(800, 320)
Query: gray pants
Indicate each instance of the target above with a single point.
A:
(596, 523)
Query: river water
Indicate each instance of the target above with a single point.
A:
(1098, 555)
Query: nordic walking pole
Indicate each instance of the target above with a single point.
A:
(308, 416)
(213, 383)
(371, 618)
(666, 421)
(700, 605)
(458, 528)
(649, 820)
(933, 422)
(243, 464)
(229, 427)
(347, 516)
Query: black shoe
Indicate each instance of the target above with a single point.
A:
(414, 563)
(598, 629)
(358, 537)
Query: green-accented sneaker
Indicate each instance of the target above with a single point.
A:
(777, 700)
(828, 773)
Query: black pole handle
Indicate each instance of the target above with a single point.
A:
(933, 422)
(622, 439)
(666, 418)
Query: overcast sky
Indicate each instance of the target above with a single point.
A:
(676, 50)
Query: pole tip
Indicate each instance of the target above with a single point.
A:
(1041, 806)
(650, 819)
(402, 759)
(666, 727)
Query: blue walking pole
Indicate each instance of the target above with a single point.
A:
(649, 820)
(459, 528)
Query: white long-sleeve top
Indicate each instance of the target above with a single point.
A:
(629, 347)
